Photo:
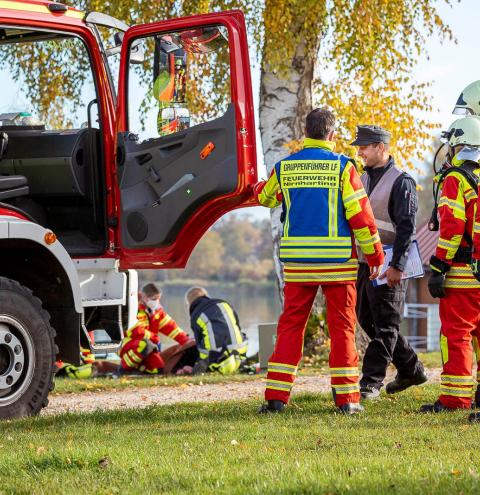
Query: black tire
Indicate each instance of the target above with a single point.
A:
(27, 352)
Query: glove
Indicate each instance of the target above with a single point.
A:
(436, 282)
(475, 266)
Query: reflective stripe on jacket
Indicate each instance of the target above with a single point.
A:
(321, 215)
(216, 327)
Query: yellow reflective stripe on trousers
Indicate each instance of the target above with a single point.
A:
(131, 354)
(454, 379)
(341, 372)
(279, 385)
(174, 333)
(129, 362)
(290, 366)
(282, 368)
(476, 349)
(444, 349)
(347, 388)
(456, 391)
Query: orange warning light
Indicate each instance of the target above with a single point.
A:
(50, 238)
(208, 148)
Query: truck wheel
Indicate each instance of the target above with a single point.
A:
(27, 352)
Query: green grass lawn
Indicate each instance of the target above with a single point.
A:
(227, 448)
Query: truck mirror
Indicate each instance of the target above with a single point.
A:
(169, 70)
(137, 52)
(172, 119)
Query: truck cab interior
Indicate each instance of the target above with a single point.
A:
(50, 148)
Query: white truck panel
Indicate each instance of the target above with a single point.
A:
(101, 284)
(15, 228)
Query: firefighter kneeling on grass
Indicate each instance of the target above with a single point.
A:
(324, 206)
(140, 347)
(220, 342)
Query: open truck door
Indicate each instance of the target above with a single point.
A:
(186, 134)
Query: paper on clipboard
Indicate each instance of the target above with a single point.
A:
(413, 269)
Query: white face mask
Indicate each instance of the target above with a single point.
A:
(153, 304)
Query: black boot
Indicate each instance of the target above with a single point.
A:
(350, 408)
(435, 408)
(400, 384)
(272, 406)
(474, 417)
(477, 397)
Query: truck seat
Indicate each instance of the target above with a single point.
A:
(12, 186)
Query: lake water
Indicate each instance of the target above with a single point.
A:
(253, 305)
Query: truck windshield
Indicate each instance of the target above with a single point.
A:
(46, 80)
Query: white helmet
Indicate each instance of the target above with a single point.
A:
(464, 131)
(468, 102)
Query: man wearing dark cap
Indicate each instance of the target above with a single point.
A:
(392, 194)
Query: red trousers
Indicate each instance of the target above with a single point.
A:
(142, 355)
(341, 320)
(460, 317)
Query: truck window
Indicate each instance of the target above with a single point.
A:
(46, 79)
(184, 81)
(49, 113)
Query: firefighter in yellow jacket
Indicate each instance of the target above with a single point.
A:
(324, 206)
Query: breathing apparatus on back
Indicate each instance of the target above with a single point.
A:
(464, 132)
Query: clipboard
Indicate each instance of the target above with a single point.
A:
(413, 268)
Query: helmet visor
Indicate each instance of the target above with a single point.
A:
(463, 111)
(471, 153)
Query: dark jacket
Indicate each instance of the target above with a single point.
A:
(402, 209)
(216, 327)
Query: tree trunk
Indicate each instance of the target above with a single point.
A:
(285, 101)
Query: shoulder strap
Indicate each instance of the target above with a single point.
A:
(466, 169)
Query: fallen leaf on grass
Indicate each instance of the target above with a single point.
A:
(104, 462)
(456, 472)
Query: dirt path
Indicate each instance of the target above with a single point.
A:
(164, 395)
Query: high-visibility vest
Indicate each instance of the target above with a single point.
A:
(315, 229)
(216, 328)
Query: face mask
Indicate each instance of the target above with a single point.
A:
(153, 304)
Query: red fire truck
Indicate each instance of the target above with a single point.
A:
(123, 171)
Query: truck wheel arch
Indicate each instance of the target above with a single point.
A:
(49, 272)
